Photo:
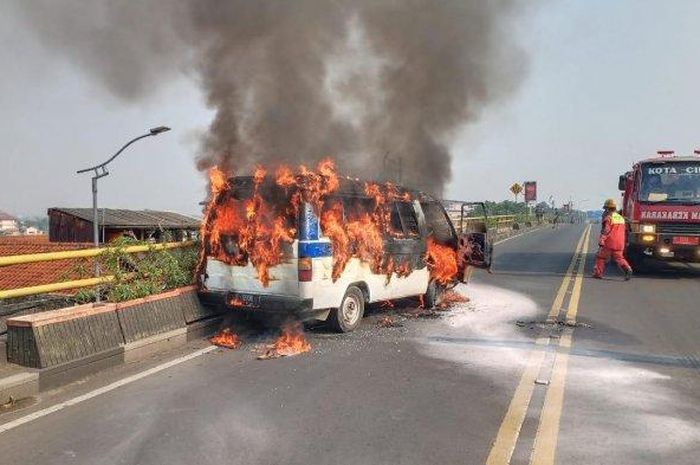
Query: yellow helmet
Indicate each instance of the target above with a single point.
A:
(610, 203)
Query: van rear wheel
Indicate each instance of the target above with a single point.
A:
(347, 317)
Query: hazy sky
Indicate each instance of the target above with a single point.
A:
(609, 82)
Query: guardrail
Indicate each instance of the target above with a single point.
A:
(81, 253)
(498, 222)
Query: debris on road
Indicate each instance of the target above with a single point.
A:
(290, 342)
(388, 322)
(422, 313)
(546, 324)
(226, 338)
(450, 299)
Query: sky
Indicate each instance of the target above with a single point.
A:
(609, 82)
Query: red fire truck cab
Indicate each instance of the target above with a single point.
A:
(661, 203)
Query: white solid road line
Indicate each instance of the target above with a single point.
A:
(103, 390)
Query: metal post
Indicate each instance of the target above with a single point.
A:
(95, 232)
(101, 171)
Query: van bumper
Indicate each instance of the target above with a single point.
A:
(259, 303)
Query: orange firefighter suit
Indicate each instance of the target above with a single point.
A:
(612, 244)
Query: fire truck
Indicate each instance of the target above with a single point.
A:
(661, 203)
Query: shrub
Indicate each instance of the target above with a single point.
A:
(141, 274)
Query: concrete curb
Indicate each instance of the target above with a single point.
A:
(20, 385)
(29, 382)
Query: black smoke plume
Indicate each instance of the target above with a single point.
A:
(379, 85)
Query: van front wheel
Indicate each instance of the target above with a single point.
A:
(347, 317)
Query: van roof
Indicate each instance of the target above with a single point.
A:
(350, 187)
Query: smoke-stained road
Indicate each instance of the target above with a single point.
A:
(620, 386)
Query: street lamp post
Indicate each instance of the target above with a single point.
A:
(100, 171)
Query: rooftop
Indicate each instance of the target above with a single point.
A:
(119, 218)
(33, 274)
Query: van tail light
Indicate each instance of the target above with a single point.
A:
(305, 269)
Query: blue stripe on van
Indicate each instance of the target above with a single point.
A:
(315, 249)
(308, 223)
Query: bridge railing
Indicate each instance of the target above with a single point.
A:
(73, 254)
(495, 222)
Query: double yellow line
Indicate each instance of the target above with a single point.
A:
(548, 428)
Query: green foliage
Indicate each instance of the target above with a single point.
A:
(142, 274)
(506, 207)
(84, 296)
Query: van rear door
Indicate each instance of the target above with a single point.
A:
(227, 268)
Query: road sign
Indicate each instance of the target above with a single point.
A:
(531, 191)
(516, 189)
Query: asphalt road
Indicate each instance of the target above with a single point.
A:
(487, 382)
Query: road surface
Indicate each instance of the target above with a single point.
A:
(613, 378)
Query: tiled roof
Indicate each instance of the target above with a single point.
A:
(34, 274)
(118, 218)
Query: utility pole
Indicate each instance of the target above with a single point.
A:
(100, 171)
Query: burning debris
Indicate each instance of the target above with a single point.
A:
(254, 221)
(226, 338)
(290, 342)
(448, 300)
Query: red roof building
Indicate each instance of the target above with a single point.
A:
(34, 274)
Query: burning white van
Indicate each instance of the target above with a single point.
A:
(318, 246)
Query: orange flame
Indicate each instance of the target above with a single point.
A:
(218, 180)
(257, 231)
(442, 262)
(284, 177)
(290, 342)
(226, 338)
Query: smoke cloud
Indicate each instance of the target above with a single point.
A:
(379, 85)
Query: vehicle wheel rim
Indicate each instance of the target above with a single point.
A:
(351, 311)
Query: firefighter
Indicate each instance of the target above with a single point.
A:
(611, 242)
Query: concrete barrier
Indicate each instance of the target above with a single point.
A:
(52, 348)
(90, 332)
(143, 318)
(60, 336)
(192, 308)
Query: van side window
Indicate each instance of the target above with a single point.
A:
(403, 219)
(437, 222)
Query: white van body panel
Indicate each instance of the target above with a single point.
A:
(326, 294)
(329, 294)
(284, 278)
